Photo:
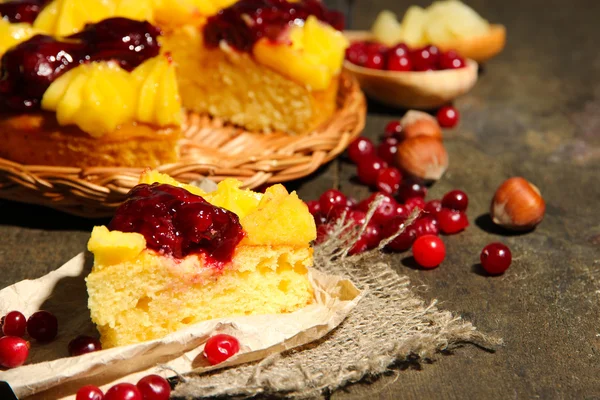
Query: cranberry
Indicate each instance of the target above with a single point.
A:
(42, 326)
(375, 60)
(423, 59)
(177, 222)
(314, 207)
(357, 217)
(455, 200)
(13, 351)
(359, 247)
(14, 324)
(403, 241)
(451, 60)
(320, 219)
(89, 392)
(330, 199)
(425, 226)
(371, 235)
(402, 211)
(433, 207)
(448, 117)
(398, 63)
(399, 50)
(414, 203)
(388, 149)
(384, 211)
(154, 387)
(123, 391)
(429, 251)
(245, 22)
(338, 212)
(495, 258)
(369, 169)
(356, 53)
(360, 149)
(410, 189)
(84, 344)
(21, 10)
(393, 129)
(376, 47)
(351, 202)
(220, 347)
(323, 232)
(389, 180)
(452, 221)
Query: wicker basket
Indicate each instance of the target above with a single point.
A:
(210, 148)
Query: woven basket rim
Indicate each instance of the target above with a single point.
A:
(96, 191)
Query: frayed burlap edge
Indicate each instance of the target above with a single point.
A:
(389, 325)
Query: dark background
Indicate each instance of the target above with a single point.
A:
(535, 112)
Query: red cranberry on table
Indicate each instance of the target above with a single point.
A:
(452, 221)
(429, 251)
(386, 209)
(455, 200)
(403, 241)
(14, 324)
(154, 387)
(123, 391)
(357, 217)
(425, 226)
(368, 170)
(360, 246)
(414, 203)
(495, 258)
(410, 188)
(388, 149)
(433, 207)
(393, 129)
(314, 207)
(220, 347)
(89, 392)
(84, 344)
(351, 202)
(389, 180)
(402, 211)
(448, 117)
(323, 232)
(372, 235)
(42, 326)
(13, 351)
(360, 149)
(330, 199)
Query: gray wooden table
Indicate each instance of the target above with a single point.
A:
(535, 112)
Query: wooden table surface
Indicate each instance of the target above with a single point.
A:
(535, 112)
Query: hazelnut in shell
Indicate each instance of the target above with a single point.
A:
(423, 157)
(417, 123)
(517, 205)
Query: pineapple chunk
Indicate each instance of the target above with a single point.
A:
(158, 95)
(96, 97)
(113, 247)
(313, 56)
(65, 17)
(387, 29)
(230, 197)
(413, 26)
(151, 176)
(13, 34)
(279, 219)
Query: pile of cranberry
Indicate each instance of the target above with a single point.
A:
(401, 58)
(400, 196)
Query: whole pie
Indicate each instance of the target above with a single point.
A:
(106, 82)
(173, 256)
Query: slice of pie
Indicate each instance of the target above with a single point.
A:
(173, 256)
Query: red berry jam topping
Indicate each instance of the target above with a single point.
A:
(177, 222)
(27, 69)
(21, 10)
(245, 22)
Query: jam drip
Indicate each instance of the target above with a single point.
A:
(177, 222)
(247, 21)
(21, 10)
(27, 69)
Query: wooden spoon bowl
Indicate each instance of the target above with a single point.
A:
(412, 89)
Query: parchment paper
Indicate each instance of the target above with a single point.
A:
(50, 373)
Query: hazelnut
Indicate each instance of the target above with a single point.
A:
(423, 157)
(416, 123)
(517, 205)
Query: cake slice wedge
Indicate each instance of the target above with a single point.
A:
(173, 256)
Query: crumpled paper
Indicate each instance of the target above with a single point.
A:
(51, 374)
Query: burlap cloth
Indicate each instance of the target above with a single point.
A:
(389, 325)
